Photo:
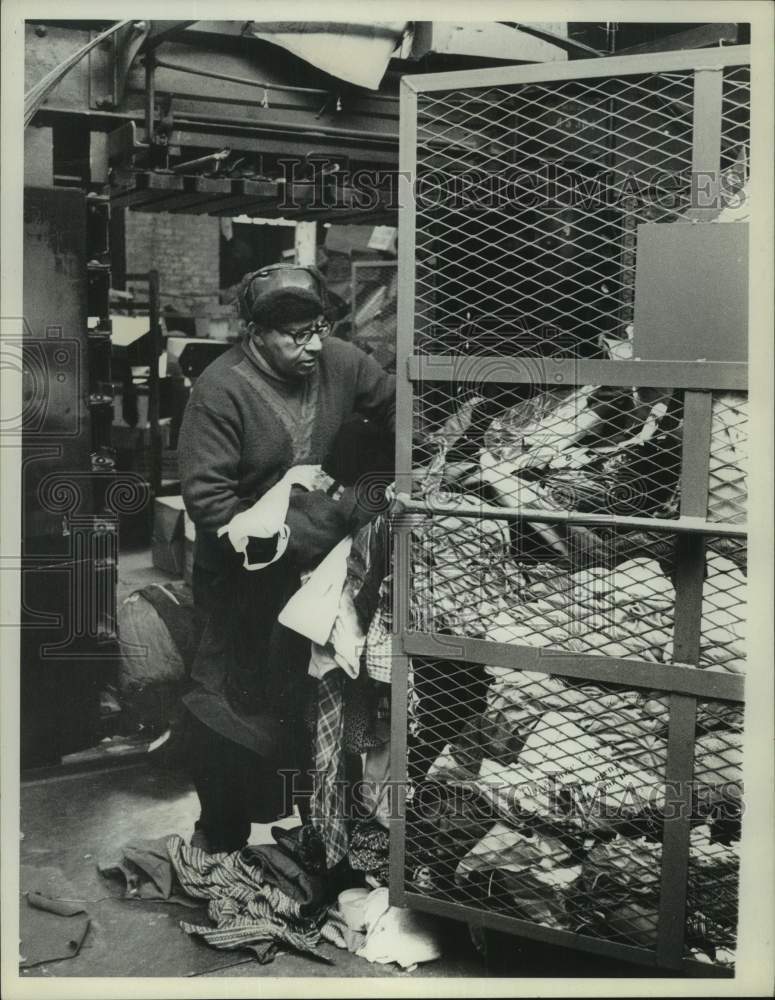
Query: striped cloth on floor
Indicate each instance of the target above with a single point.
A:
(247, 912)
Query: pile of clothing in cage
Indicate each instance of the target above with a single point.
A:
(584, 588)
(544, 798)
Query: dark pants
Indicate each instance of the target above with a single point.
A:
(235, 786)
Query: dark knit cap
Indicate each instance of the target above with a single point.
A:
(282, 293)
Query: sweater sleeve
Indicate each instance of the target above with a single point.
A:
(209, 449)
(375, 392)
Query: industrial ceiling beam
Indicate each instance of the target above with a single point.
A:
(568, 44)
(164, 31)
(695, 38)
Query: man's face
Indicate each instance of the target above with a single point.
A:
(284, 355)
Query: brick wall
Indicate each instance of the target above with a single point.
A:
(184, 249)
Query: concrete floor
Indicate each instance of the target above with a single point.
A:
(69, 824)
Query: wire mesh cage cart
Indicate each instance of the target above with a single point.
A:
(570, 567)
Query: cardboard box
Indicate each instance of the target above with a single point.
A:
(168, 539)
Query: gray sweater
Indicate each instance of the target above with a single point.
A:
(243, 429)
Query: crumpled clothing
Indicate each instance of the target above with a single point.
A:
(347, 637)
(626, 612)
(345, 644)
(370, 850)
(718, 761)
(248, 910)
(618, 893)
(508, 849)
(312, 610)
(398, 935)
(376, 788)
(266, 518)
(336, 931)
(367, 566)
(50, 931)
(50, 928)
(378, 651)
(260, 898)
(147, 872)
(321, 661)
(724, 627)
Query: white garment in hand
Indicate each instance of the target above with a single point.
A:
(347, 638)
(312, 610)
(266, 517)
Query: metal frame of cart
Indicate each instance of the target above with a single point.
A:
(682, 681)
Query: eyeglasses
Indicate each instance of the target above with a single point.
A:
(302, 337)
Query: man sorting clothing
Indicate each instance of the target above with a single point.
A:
(272, 405)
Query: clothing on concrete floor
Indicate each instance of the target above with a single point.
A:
(261, 898)
(394, 934)
(336, 931)
(246, 903)
(50, 928)
(144, 867)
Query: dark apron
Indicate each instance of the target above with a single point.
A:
(250, 674)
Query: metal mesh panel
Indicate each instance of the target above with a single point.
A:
(607, 592)
(538, 797)
(728, 466)
(532, 794)
(712, 891)
(594, 449)
(373, 311)
(723, 626)
(735, 121)
(528, 202)
(543, 798)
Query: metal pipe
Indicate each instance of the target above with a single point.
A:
(37, 94)
(244, 80)
(568, 44)
(321, 131)
(150, 96)
(155, 348)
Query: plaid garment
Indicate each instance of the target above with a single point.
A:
(379, 639)
(328, 814)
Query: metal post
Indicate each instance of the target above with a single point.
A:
(406, 291)
(402, 576)
(402, 582)
(150, 97)
(690, 563)
(706, 147)
(305, 243)
(153, 381)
